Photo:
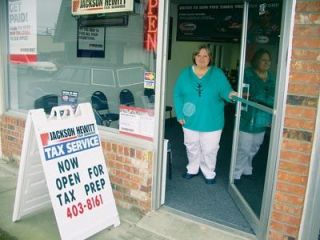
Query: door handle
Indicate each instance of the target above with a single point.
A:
(245, 95)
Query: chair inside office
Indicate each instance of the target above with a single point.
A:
(101, 110)
(126, 97)
(47, 102)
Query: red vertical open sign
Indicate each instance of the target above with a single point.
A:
(151, 26)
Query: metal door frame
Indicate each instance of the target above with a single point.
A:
(260, 225)
(284, 56)
(159, 109)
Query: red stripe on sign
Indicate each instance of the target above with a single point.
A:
(150, 111)
(136, 135)
(23, 58)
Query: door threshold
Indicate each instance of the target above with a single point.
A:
(226, 231)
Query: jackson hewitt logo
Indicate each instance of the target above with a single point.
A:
(91, 3)
(67, 134)
(114, 4)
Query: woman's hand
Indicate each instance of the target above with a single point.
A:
(233, 94)
(181, 121)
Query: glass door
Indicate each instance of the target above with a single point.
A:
(255, 111)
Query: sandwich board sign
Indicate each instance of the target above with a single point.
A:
(62, 163)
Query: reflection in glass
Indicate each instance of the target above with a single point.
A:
(58, 66)
(258, 87)
(260, 84)
(251, 159)
(259, 79)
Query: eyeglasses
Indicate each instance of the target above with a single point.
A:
(199, 89)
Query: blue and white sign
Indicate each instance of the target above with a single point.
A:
(75, 170)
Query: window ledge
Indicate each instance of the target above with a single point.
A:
(114, 135)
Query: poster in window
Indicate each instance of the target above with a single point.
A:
(223, 22)
(264, 23)
(22, 18)
(69, 97)
(91, 42)
(137, 122)
(210, 22)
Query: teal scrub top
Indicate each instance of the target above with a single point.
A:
(200, 101)
(254, 120)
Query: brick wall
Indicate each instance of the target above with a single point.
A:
(299, 126)
(12, 130)
(130, 168)
(130, 171)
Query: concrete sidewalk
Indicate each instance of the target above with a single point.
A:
(157, 225)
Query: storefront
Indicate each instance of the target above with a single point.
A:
(125, 61)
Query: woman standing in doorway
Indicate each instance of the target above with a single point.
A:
(254, 122)
(199, 99)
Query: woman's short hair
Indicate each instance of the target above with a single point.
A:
(257, 56)
(205, 47)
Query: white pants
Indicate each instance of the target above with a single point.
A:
(202, 149)
(248, 146)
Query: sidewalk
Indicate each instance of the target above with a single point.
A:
(157, 225)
